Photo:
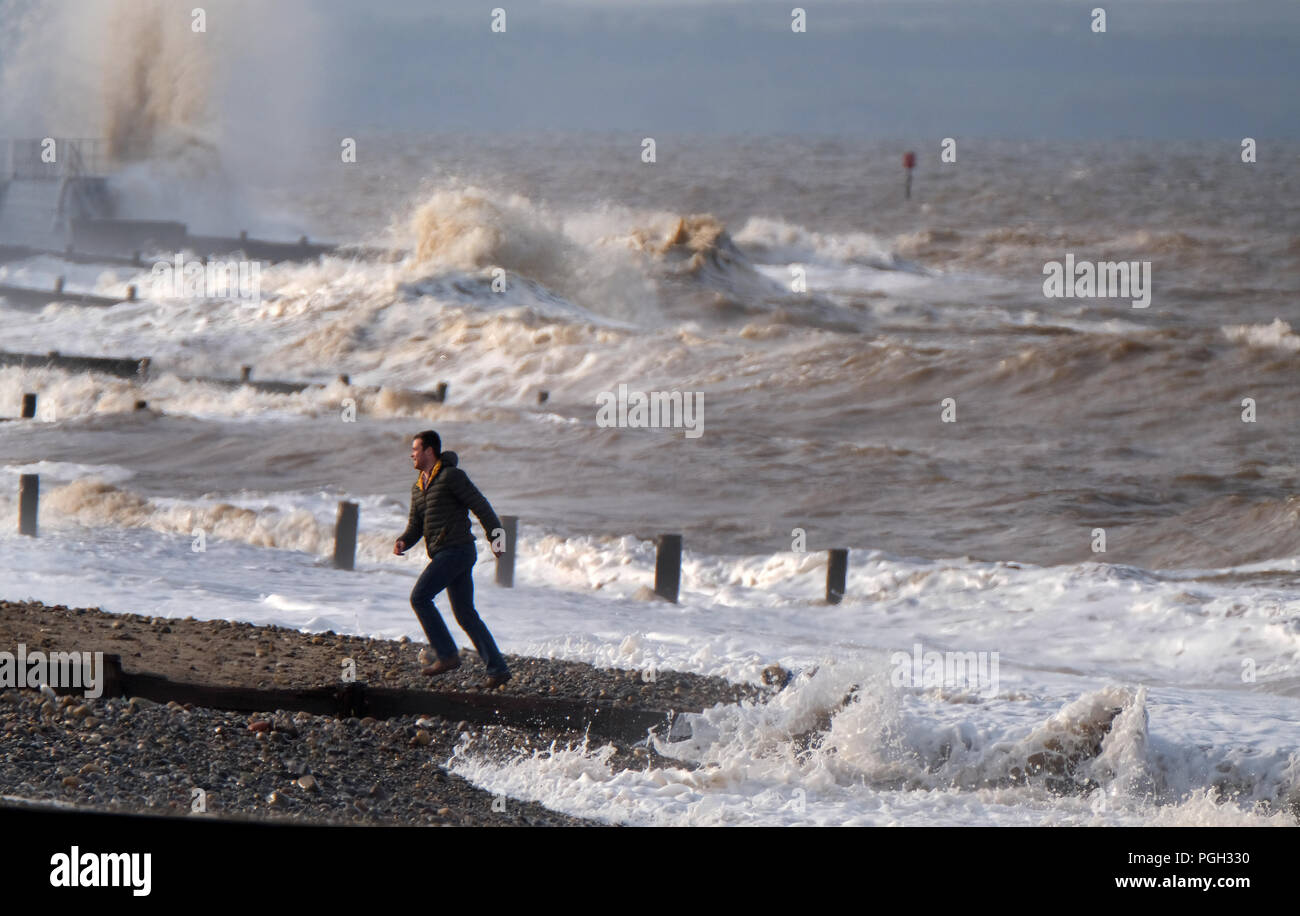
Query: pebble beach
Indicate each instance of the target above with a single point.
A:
(133, 755)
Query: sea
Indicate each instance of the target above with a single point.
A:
(1071, 520)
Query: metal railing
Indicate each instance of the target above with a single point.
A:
(27, 159)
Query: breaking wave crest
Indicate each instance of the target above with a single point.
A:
(840, 746)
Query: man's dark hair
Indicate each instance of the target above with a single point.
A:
(429, 439)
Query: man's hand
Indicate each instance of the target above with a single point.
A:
(399, 548)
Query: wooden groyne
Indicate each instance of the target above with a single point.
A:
(206, 246)
(122, 367)
(600, 718)
(26, 295)
(139, 369)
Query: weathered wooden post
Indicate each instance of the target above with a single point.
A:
(345, 536)
(441, 393)
(111, 676)
(29, 406)
(58, 286)
(837, 569)
(506, 562)
(245, 374)
(543, 396)
(130, 293)
(29, 488)
(668, 566)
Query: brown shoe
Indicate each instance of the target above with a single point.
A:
(441, 666)
(493, 681)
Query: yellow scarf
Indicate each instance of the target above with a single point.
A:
(425, 481)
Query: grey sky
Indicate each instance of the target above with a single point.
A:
(1164, 68)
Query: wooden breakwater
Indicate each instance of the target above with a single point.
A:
(26, 295)
(122, 367)
(139, 368)
(203, 247)
(600, 718)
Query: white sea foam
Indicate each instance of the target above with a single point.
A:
(1077, 743)
(1277, 335)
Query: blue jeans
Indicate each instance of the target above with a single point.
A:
(451, 568)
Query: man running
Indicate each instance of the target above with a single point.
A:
(440, 497)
